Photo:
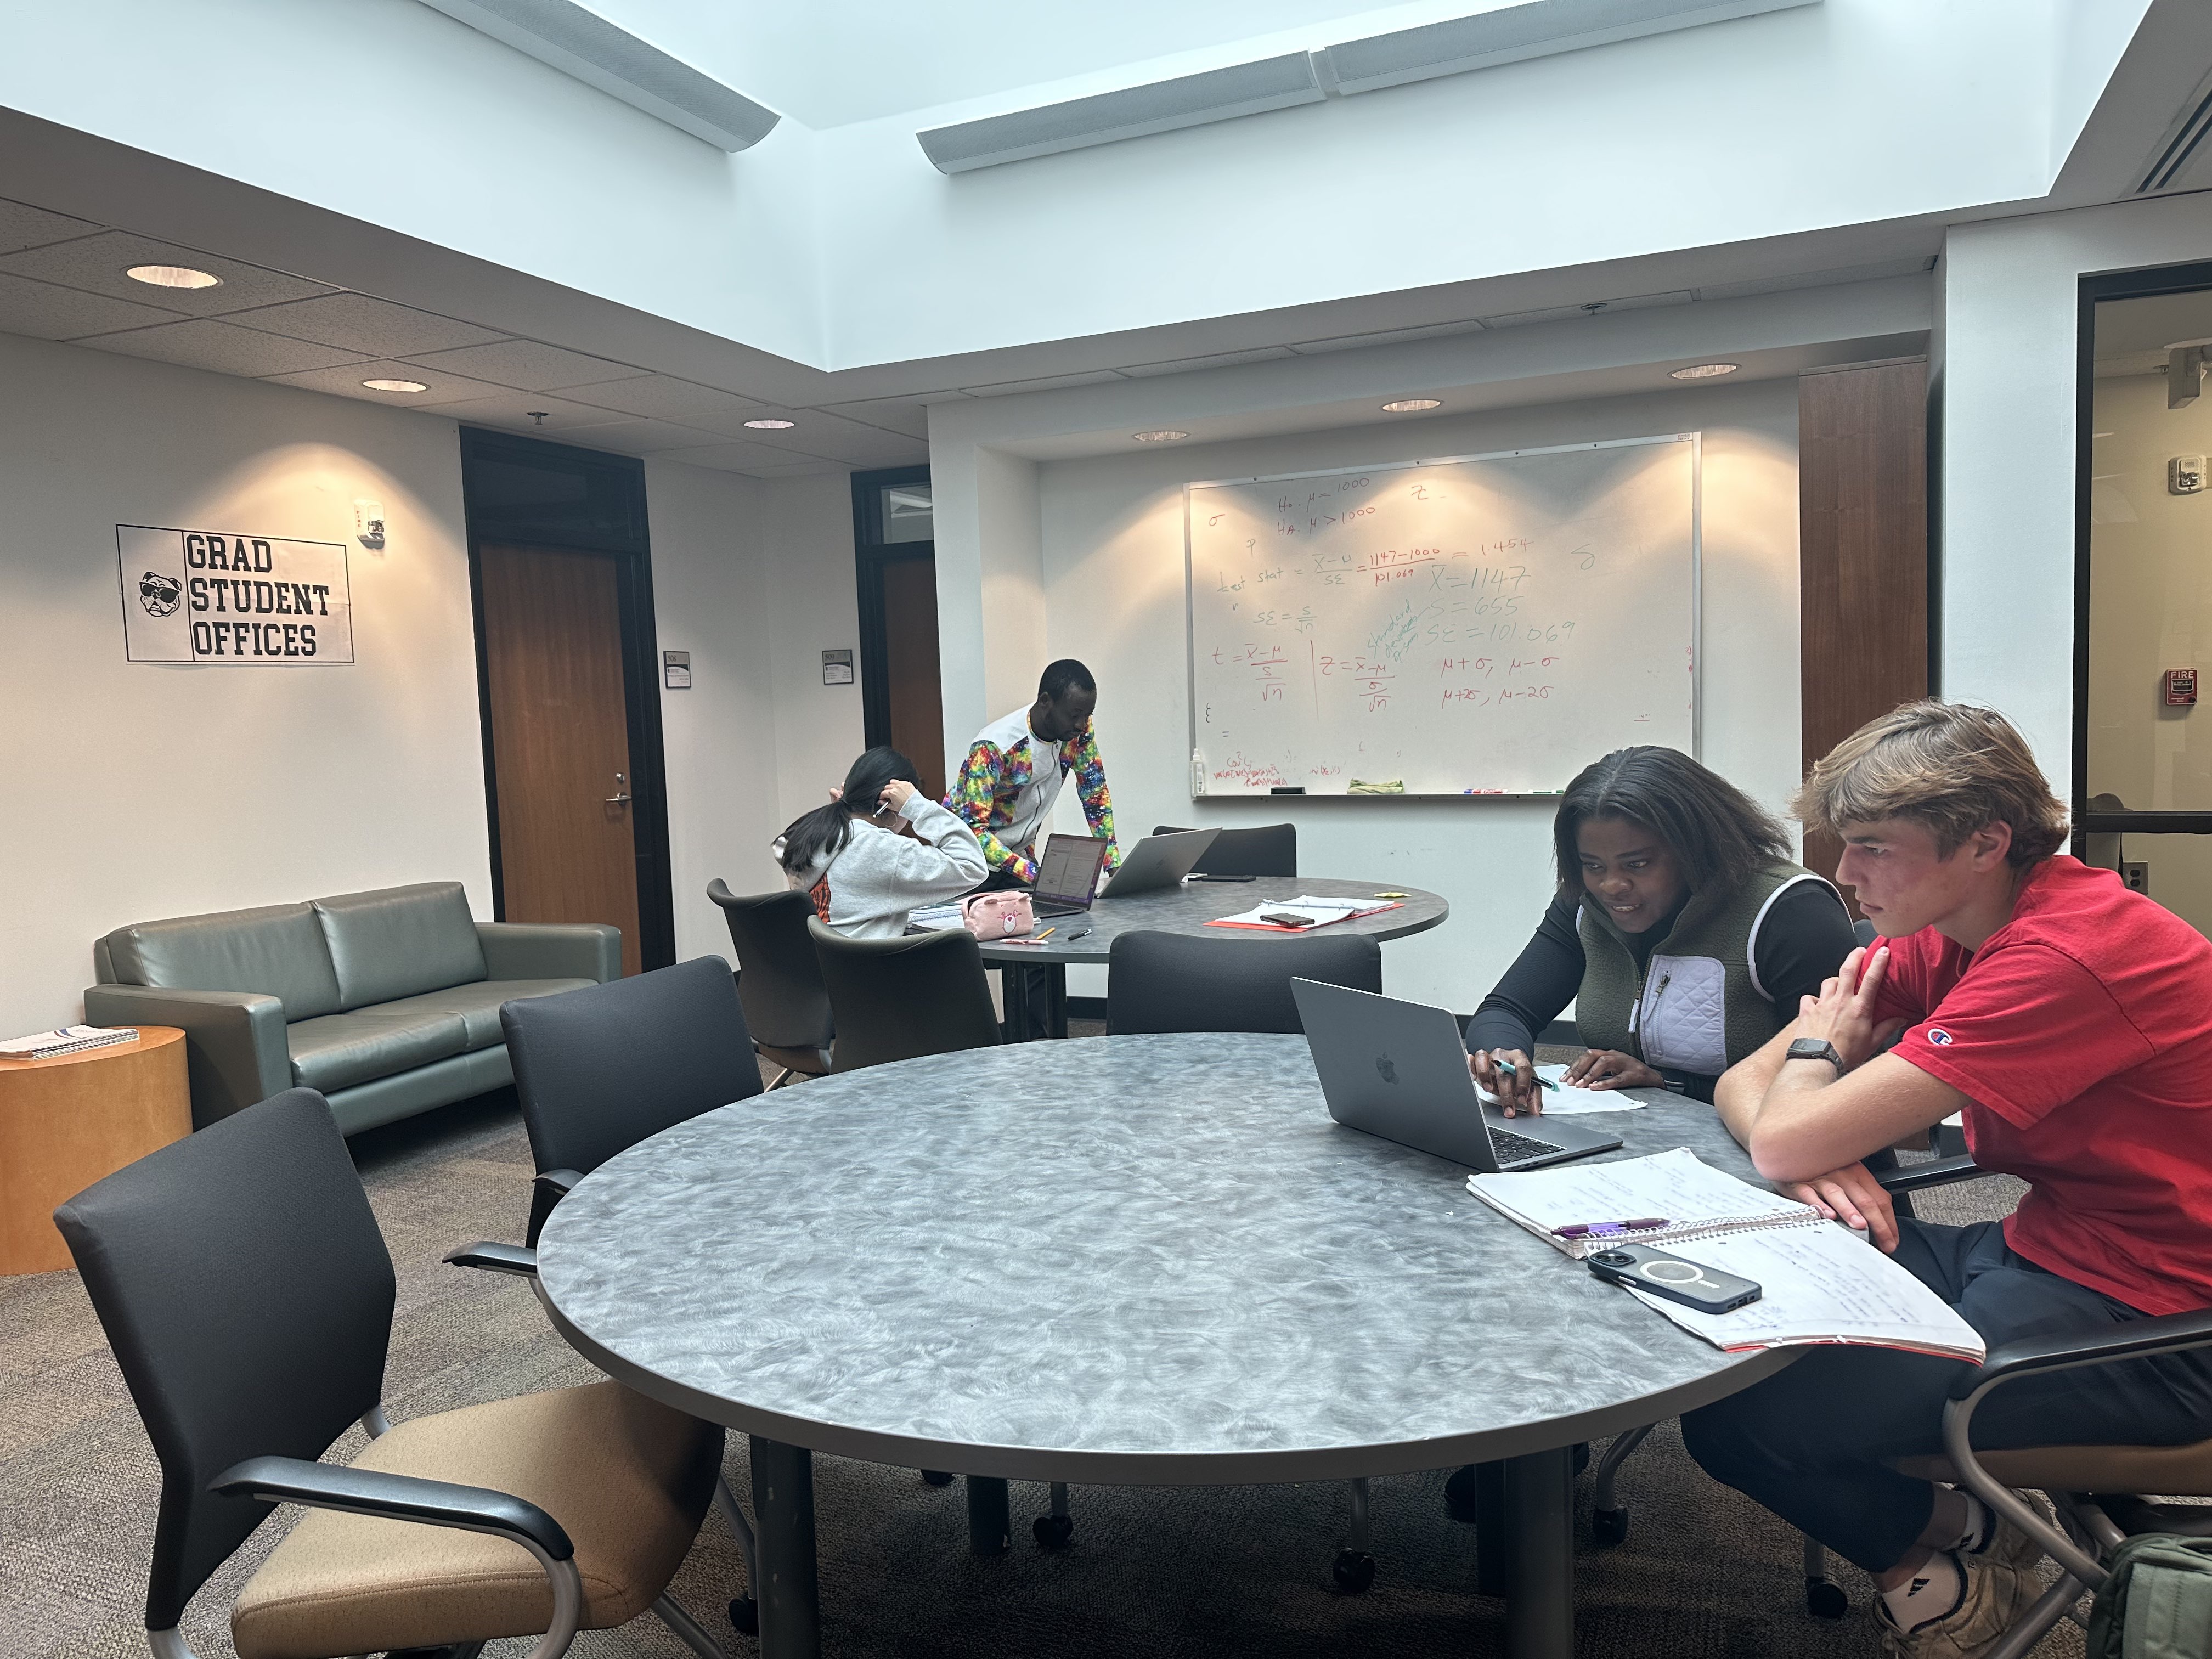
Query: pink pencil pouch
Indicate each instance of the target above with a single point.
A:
(1003, 915)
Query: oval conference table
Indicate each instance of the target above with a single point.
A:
(1136, 1260)
(1186, 909)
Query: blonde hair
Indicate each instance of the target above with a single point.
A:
(1953, 767)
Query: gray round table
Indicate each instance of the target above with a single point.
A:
(1187, 909)
(1129, 1261)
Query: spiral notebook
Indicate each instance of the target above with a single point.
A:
(1821, 1282)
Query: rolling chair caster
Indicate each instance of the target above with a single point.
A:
(1053, 1531)
(936, 1478)
(1354, 1571)
(1609, 1527)
(1824, 1597)
(744, 1615)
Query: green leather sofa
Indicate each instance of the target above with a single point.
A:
(387, 1002)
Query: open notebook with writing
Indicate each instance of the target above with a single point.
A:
(1821, 1282)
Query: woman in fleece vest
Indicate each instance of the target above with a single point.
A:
(880, 849)
(1680, 931)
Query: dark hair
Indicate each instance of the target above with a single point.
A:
(822, 834)
(1061, 677)
(1718, 833)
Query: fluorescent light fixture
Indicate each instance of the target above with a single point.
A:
(1188, 101)
(1166, 435)
(578, 42)
(771, 424)
(172, 276)
(395, 386)
(1703, 371)
(1537, 29)
(1411, 405)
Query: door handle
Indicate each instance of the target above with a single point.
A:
(615, 801)
(621, 800)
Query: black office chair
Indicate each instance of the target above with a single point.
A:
(597, 1070)
(1159, 982)
(899, 999)
(1862, 931)
(779, 980)
(247, 1293)
(1270, 850)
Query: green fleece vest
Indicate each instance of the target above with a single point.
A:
(1697, 1006)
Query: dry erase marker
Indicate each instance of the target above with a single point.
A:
(1080, 932)
(1542, 1082)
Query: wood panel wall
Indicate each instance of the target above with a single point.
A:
(1863, 553)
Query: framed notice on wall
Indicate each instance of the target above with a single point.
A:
(240, 601)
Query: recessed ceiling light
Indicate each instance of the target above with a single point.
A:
(1702, 371)
(1408, 406)
(771, 425)
(395, 386)
(1166, 435)
(172, 276)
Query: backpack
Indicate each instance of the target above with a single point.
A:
(2157, 1602)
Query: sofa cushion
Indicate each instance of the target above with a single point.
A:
(278, 951)
(398, 941)
(340, 1049)
(478, 1004)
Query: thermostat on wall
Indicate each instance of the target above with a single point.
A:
(2180, 687)
(2184, 475)
(836, 668)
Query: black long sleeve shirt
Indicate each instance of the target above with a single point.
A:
(1803, 940)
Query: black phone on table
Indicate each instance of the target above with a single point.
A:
(1689, 1283)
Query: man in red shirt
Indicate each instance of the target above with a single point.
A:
(2069, 1021)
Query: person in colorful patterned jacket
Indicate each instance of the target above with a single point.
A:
(1017, 765)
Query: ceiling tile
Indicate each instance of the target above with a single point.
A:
(513, 410)
(1220, 359)
(639, 437)
(346, 381)
(747, 458)
(1387, 336)
(23, 226)
(1049, 383)
(907, 414)
(96, 265)
(525, 365)
(48, 312)
(664, 397)
(1568, 314)
(204, 342)
(359, 322)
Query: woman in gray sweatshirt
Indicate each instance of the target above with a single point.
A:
(879, 850)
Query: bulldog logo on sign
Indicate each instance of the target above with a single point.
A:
(159, 594)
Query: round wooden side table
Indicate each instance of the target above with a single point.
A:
(67, 1121)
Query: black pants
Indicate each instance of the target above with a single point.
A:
(1810, 1442)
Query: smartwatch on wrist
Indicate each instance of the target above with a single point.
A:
(1815, 1049)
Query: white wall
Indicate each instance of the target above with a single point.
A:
(1113, 592)
(807, 578)
(135, 790)
(2007, 448)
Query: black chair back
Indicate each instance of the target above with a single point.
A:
(1172, 982)
(1862, 931)
(247, 1295)
(779, 980)
(896, 998)
(599, 1069)
(1270, 850)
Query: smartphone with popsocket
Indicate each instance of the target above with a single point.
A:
(1689, 1283)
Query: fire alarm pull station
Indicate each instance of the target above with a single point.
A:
(2180, 687)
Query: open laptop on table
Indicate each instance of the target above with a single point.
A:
(1399, 1070)
(1068, 875)
(1158, 861)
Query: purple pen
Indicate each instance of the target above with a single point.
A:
(1611, 1229)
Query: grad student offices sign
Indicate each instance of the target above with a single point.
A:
(244, 601)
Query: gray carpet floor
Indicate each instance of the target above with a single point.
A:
(1180, 1572)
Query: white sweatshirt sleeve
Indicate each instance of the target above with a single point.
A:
(947, 860)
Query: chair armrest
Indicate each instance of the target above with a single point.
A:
(234, 1048)
(533, 949)
(491, 1256)
(1937, 1172)
(2136, 1339)
(397, 1498)
(559, 1182)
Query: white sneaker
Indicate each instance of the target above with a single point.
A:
(1996, 1597)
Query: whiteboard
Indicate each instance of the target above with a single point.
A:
(1475, 625)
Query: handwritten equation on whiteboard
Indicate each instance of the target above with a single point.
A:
(1486, 626)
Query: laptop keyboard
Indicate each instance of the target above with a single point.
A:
(1519, 1149)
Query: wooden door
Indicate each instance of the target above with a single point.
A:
(561, 761)
(917, 709)
(1862, 554)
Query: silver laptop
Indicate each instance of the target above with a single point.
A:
(1068, 875)
(1158, 861)
(1399, 1070)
